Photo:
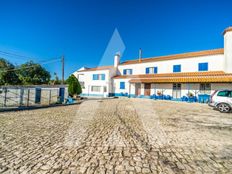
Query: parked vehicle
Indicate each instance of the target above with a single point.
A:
(221, 100)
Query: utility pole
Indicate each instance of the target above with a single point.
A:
(62, 60)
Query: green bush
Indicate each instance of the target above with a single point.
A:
(8, 74)
(74, 87)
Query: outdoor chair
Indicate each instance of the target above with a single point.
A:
(168, 97)
(69, 100)
(184, 98)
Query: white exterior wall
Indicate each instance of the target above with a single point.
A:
(127, 89)
(165, 88)
(215, 63)
(87, 78)
(228, 51)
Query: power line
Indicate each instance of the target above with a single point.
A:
(13, 54)
(44, 63)
(18, 55)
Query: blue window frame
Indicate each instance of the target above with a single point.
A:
(95, 77)
(203, 66)
(122, 85)
(127, 71)
(176, 68)
(99, 76)
(147, 70)
(155, 70)
(152, 70)
(103, 76)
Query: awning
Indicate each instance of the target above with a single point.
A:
(191, 77)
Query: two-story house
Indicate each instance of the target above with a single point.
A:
(175, 75)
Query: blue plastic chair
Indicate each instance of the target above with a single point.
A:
(69, 100)
(184, 98)
(168, 97)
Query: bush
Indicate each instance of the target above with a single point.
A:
(8, 74)
(74, 87)
(31, 73)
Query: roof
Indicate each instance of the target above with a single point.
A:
(189, 77)
(97, 68)
(176, 56)
(226, 30)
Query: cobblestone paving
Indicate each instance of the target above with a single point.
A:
(117, 136)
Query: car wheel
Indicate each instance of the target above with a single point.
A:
(224, 108)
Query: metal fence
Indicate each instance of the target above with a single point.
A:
(25, 96)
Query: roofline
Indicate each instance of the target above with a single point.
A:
(100, 68)
(190, 77)
(226, 30)
(176, 56)
(181, 74)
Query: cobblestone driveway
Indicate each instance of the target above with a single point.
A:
(117, 136)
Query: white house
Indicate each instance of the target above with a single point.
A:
(174, 75)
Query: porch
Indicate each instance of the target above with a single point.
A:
(189, 92)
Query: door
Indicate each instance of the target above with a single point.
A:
(37, 95)
(138, 89)
(147, 89)
(176, 90)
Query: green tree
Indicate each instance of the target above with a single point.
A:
(8, 74)
(74, 87)
(31, 73)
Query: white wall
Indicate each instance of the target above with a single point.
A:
(228, 51)
(117, 86)
(87, 78)
(216, 63)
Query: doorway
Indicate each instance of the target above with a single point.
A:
(138, 89)
(147, 89)
(176, 90)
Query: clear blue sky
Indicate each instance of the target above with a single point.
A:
(81, 30)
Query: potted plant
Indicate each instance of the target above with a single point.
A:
(159, 93)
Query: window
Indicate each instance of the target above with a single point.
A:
(105, 89)
(96, 88)
(203, 67)
(99, 76)
(122, 85)
(224, 94)
(127, 71)
(152, 70)
(205, 88)
(176, 68)
(82, 84)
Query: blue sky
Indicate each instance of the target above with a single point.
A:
(81, 30)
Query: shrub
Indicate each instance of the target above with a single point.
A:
(74, 87)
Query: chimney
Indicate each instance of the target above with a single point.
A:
(228, 50)
(140, 55)
(116, 59)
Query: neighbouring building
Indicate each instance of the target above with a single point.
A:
(176, 75)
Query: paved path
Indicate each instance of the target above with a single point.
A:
(117, 136)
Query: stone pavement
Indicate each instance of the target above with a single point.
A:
(117, 136)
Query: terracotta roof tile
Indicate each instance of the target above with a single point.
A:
(190, 77)
(189, 74)
(176, 56)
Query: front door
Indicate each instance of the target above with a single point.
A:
(147, 89)
(176, 92)
(138, 89)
